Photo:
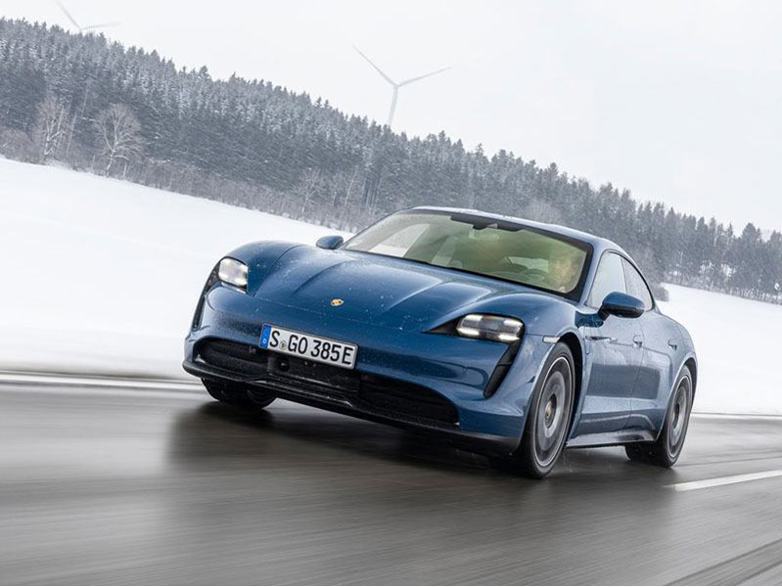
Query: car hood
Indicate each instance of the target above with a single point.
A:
(387, 291)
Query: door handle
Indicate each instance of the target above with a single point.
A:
(673, 344)
(598, 338)
(638, 340)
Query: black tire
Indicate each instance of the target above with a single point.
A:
(238, 396)
(549, 418)
(665, 451)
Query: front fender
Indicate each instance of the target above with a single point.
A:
(579, 346)
(260, 258)
(519, 385)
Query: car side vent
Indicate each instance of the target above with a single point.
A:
(501, 369)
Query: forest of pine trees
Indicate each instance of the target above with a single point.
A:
(98, 106)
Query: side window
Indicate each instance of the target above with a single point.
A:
(610, 277)
(636, 286)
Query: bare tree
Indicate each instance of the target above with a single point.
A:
(51, 127)
(119, 133)
(310, 182)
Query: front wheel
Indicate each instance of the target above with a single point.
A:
(237, 395)
(665, 451)
(548, 420)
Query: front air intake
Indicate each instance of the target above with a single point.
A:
(372, 393)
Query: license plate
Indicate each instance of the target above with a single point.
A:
(306, 346)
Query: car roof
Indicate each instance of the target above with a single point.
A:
(598, 244)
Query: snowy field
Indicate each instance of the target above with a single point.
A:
(737, 345)
(102, 276)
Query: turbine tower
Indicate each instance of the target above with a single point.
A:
(83, 29)
(396, 85)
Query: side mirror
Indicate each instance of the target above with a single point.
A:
(329, 242)
(620, 304)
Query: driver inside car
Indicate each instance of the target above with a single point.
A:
(563, 271)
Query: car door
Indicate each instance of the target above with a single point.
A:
(660, 340)
(615, 348)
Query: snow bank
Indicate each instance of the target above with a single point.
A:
(101, 275)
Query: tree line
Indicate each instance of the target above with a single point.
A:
(126, 112)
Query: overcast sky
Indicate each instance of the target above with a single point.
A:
(677, 101)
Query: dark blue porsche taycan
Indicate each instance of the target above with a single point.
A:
(510, 337)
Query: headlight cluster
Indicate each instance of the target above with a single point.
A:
(498, 328)
(233, 273)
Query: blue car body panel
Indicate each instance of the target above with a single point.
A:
(391, 305)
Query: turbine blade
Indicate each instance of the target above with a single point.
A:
(101, 26)
(420, 77)
(68, 14)
(375, 67)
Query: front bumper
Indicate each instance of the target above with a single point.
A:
(325, 398)
(451, 367)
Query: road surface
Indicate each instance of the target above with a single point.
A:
(115, 485)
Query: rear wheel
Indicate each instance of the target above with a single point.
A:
(238, 395)
(666, 450)
(549, 418)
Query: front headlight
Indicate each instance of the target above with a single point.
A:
(497, 328)
(233, 273)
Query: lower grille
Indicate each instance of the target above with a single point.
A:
(381, 395)
(393, 396)
(233, 357)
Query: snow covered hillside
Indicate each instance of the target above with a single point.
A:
(738, 352)
(102, 276)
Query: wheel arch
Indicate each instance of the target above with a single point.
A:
(692, 365)
(573, 342)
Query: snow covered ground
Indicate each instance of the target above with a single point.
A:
(101, 276)
(739, 359)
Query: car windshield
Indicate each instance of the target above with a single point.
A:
(476, 244)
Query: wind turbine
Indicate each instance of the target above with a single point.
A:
(396, 85)
(83, 29)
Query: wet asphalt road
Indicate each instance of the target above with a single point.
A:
(123, 486)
